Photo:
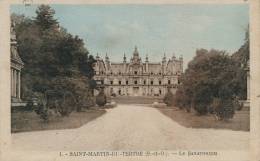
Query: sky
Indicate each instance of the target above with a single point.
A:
(154, 29)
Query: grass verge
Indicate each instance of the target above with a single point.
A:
(30, 121)
(240, 122)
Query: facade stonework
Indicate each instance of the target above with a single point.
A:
(137, 77)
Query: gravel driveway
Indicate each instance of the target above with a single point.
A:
(132, 127)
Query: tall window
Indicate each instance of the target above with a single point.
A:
(119, 82)
(169, 81)
(126, 82)
(144, 82)
(160, 82)
(151, 82)
(111, 82)
(135, 81)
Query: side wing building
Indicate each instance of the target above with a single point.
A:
(16, 67)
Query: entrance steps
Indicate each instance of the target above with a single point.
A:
(136, 99)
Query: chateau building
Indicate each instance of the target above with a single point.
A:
(16, 67)
(138, 78)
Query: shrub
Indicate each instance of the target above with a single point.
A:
(41, 106)
(168, 98)
(79, 89)
(101, 99)
(66, 104)
(215, 105)
(224, 110)
(237, 105)
(201, 109)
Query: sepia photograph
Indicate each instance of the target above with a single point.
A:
(130, 79)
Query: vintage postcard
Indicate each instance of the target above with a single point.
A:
(116, 80)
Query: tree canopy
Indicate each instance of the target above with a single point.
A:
(50, 53)
(211, 75)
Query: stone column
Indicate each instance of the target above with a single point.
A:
(19, 85)
(15, 81)
(11, 81)
(248, 85)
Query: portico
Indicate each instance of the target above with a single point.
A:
(16, 67)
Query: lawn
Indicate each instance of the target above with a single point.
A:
(29, 121)
(240, 122)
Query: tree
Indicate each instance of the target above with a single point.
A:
(168, 98)
(204, 78)
(101, 99)
(54, 59)
(45, 17)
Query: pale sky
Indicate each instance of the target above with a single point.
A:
(154, 29)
